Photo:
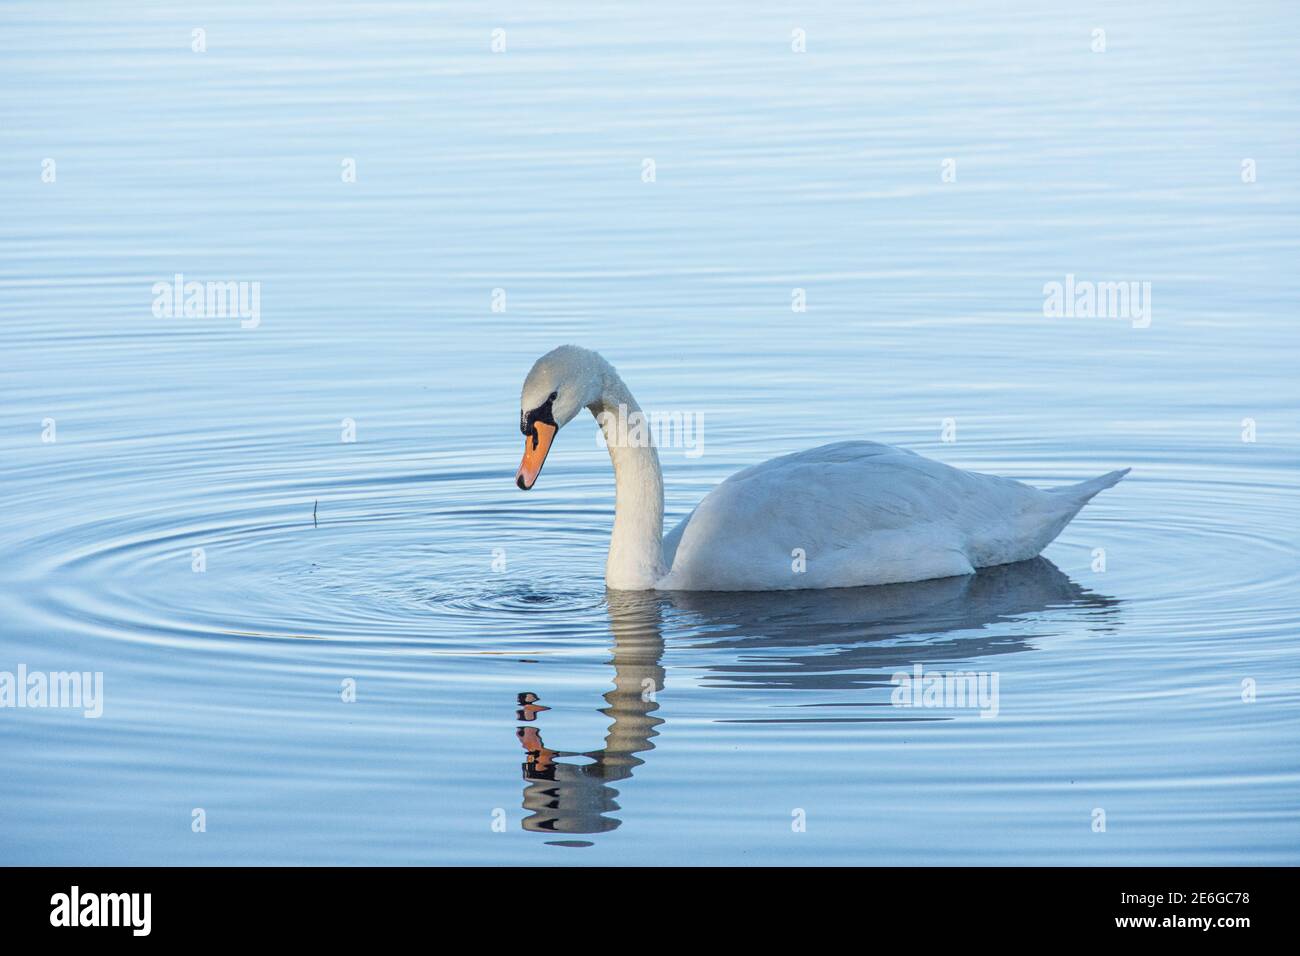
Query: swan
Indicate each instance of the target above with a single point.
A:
(846, 514)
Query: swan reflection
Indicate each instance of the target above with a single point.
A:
(567, 797)
(839, 639)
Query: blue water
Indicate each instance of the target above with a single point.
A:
(1161, 687)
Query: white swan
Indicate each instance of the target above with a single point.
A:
(859, 512)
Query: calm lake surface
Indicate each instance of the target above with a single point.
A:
(1148, 666)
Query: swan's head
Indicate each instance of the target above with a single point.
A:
(561, 383)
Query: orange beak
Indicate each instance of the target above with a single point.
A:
(536, 445)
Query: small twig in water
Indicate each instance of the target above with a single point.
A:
(313, 513)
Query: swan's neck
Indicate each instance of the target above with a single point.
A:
(636, 558)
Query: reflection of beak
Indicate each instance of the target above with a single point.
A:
(536, 445)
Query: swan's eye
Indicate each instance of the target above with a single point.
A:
(542, 413)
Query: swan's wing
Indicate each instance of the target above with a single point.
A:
(852, 513)
(673, 538)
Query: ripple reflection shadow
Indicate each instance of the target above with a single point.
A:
(843, 638)
(848, 638)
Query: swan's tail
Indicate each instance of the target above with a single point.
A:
(1078, 495)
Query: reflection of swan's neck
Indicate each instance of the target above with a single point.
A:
(638, 676)
(635, 560)
(567, 797)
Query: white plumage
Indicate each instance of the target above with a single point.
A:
(861, 513)
(841, 515)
